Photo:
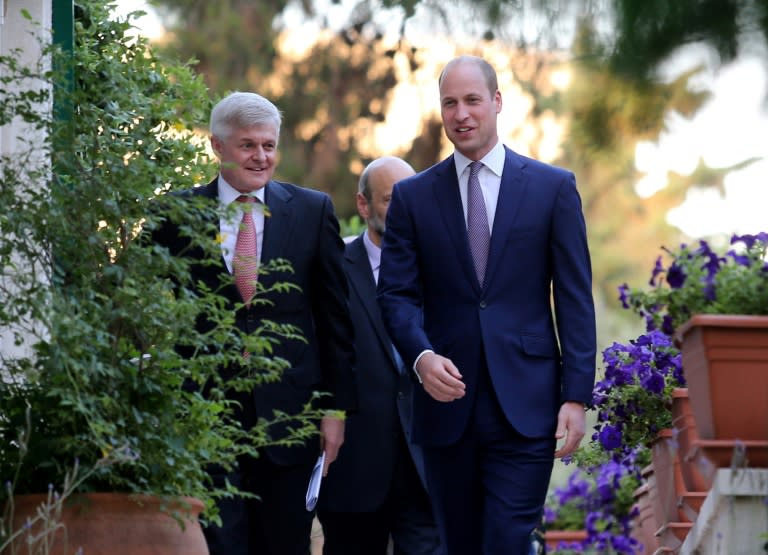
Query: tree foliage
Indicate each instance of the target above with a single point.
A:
(113, 378)
(649, 31)
(332, 95)
(335, 93)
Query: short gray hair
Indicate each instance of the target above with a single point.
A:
(487, 69)
(241, 110)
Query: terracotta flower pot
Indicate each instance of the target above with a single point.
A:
(667, 489)
(684, 426)
(644, 524)
(672, 535)
(674, 507)
(115, 524)
(562, 539)
(725, 362)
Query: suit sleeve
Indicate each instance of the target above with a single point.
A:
(572, 291)
(330, 311)
(399, 288)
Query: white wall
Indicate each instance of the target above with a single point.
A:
(17, 32)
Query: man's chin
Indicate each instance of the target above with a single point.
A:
(252, 185)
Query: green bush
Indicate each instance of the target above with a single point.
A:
(104, 315)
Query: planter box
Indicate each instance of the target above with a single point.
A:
(684, 426)
(725, 362)
(563, 539)
(644, 525)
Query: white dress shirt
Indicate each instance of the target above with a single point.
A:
(229, 223)
(374, 255)
(489, 177)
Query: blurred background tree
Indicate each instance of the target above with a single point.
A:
(338, 83)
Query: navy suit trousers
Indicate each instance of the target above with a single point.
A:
(488, 489)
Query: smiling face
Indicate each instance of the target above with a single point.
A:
(468, 108)
(247, 156)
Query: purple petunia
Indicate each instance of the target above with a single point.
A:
(623, 295)
(740, 259)
(675, 276)
(658, 268)
(610, 436)
(654, 382)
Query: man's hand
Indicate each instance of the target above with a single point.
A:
(571, 424)
(331, 438)
(440, 377)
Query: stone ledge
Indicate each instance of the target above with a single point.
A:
(733, 519)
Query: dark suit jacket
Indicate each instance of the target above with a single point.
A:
(538, 253)
(360, 478)
(301, 228)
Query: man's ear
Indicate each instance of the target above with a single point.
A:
(362, 206)
(215, 145)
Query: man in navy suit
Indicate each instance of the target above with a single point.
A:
(485, 289)
(376, 487)
(296, 225)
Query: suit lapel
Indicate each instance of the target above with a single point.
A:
(277, 224)
(448, 200)
(363, 285)
(514, 183)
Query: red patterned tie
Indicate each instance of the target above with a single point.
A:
(245, 261)
(477, 222)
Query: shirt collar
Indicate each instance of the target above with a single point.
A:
(494, 160)
(228, 194)
(374, 251)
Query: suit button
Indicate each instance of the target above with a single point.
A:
(400, 395)
(483, 304)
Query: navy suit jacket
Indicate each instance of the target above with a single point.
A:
(360, 478)
(538, 353)
(301, 228)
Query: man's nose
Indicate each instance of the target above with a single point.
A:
(461, 111)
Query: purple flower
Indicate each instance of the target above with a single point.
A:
(610, 437)
(740, 259)
(712, 264)
(654, 382)
(667, 325)
(657, 269)
(624, 295)
(675, 276)
(748, 240)
(709, 291)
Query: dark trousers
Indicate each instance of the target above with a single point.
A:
(488, 489)
(275, 524)
(406, 515)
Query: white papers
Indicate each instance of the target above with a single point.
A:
(313, 490)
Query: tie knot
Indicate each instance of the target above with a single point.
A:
(475, 167)
(246, 198)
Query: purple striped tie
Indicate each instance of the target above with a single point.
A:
(477, 222)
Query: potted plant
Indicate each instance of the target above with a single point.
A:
(592, 512)
(633, 400)
(716, 305)
(108, 370)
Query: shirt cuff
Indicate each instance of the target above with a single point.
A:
(418, 358)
